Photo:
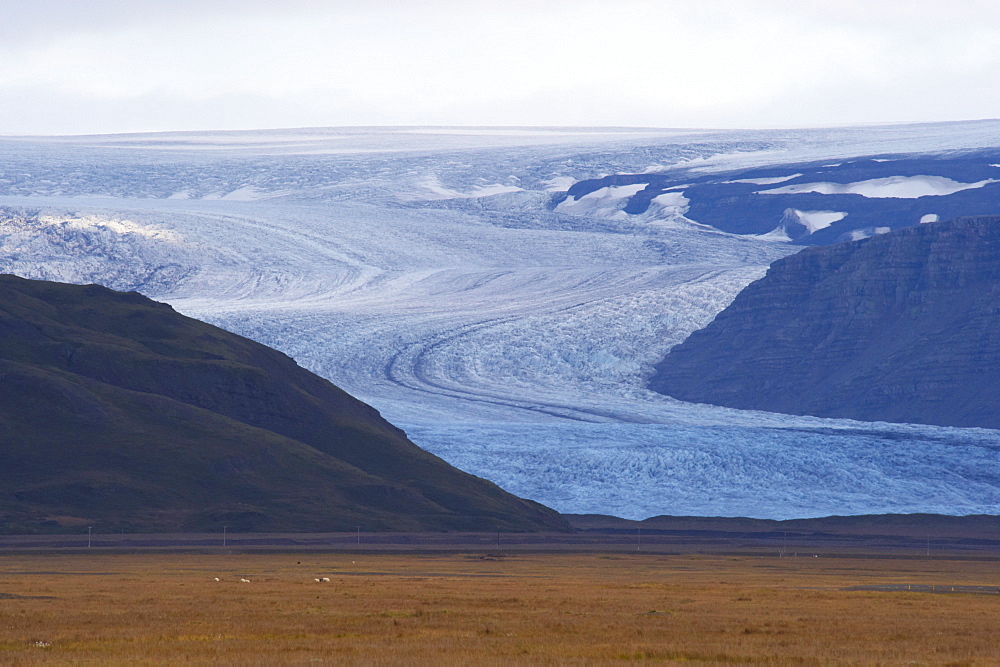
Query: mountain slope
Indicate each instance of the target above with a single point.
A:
(807, 203)
(116, 410)
(899, 328)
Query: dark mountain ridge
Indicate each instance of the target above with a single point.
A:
(760, 200)
(903, 327)
(117, 411)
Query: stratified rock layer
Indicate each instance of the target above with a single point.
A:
(903, 327)
(117, 412)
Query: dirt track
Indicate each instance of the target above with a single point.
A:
(788, 544)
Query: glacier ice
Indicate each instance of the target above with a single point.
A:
(426, 274)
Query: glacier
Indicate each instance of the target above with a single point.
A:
(425, 271)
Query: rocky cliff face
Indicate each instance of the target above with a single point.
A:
(903, 327)
(117, 411)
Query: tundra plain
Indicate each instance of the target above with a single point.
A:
(496, 608)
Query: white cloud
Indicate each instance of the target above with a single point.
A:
(638, 62)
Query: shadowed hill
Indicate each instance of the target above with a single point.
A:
(117, 411)
(900, 328)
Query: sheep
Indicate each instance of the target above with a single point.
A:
(217, 579)
(244, 581)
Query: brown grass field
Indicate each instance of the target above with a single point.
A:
(542, 608)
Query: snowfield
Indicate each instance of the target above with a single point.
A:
(903, 187)
(425, 272)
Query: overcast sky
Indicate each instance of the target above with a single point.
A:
(74, 66)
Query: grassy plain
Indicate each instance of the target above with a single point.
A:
(515, 609)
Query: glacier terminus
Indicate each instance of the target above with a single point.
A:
(444, 276)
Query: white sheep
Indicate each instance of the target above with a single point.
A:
(244, 581)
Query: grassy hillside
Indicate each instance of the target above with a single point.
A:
(117, 411)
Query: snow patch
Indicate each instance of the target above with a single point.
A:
(672, 200)
(558, 183)
(817, 220)
(867, 233)
(796, 224)
(764, 181)
(616, 192)
(603, 202)
(929, 217)
(668, 211)
(901, 187)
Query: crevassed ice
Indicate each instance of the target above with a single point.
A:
(512, 341)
